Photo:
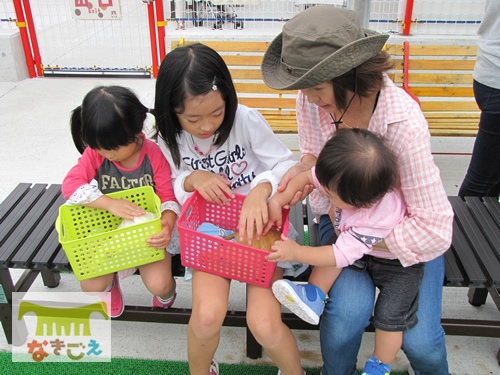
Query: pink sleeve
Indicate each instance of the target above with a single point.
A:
(82, 173)
(161, 169)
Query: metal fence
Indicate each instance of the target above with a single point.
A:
(122, 43)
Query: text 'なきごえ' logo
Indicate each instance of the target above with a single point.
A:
(60, 327)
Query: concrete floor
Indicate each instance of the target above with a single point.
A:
(36, 146)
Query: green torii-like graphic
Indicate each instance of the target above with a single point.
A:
(62, 317)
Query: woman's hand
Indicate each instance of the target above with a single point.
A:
(254, 213)
(213, 187)
(284, 251)
(162, 239)
(307, 163)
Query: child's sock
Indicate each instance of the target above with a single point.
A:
(166, 301)
(109, 287)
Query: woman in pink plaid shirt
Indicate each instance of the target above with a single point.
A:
(340, 71)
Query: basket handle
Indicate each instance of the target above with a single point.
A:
(58, 225)
(186, 207)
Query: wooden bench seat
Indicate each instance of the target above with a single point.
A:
(28, 241)
(439, 76)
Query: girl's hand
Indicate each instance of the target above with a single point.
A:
(274, 213)
(124, 208)
(162, 239)
(213, 187)
(284, 251)
(254, 212)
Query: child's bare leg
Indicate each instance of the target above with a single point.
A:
(210, 299)
(157, 277)
(264, 321)
(324, 277)
(387, 345)
(97, 284)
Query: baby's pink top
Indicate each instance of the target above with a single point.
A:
(361, 228)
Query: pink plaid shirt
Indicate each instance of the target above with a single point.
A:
(426, 231)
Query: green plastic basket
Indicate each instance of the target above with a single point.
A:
(95, 247)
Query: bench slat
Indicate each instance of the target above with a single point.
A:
(268, 102)
(260, 88)
(482, 249)
(12, 200)
(33, 230)
(493, 207)
(441, 50)
(448, 92)
(454, 273)
(449, 106)
(436, 78)
(225, 46)
(435, 64)
(485, 220)
(37, 240)
(14, 230)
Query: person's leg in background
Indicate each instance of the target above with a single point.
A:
(347, 314)
(424, 344)
(483, 174)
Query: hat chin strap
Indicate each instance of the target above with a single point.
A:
(337, 123)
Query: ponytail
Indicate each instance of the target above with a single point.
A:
(76, 129)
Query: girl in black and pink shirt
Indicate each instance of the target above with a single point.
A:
(108, 130)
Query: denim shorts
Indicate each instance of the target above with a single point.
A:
(397, 302)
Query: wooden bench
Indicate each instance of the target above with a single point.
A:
(439, 76)
(28, 241)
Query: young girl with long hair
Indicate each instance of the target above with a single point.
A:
(220, 148)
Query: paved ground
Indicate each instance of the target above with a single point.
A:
(36, 146)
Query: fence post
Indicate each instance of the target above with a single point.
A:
(152, 35)
(24, 37)
(160, 23)
(408, 13)
(32, 34)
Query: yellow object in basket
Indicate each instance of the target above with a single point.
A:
(94, 244)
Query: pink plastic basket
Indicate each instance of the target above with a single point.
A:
(215, 255)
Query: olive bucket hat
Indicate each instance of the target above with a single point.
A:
(317, 45)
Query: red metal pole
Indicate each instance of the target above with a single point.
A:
(408, 13)
(406, 61)
(24, 37)
(160, 23)
(152, 35)
(34, 41)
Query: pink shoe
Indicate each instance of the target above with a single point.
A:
(114, 299)
(157, 303)
(214, 368)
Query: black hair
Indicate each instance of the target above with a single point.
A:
(369, 79)
(358, 166)
(187, 71)
(109, 117)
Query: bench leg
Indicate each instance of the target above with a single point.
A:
(477, 296)
(254, 350)
(7, 288)
(51, 278)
